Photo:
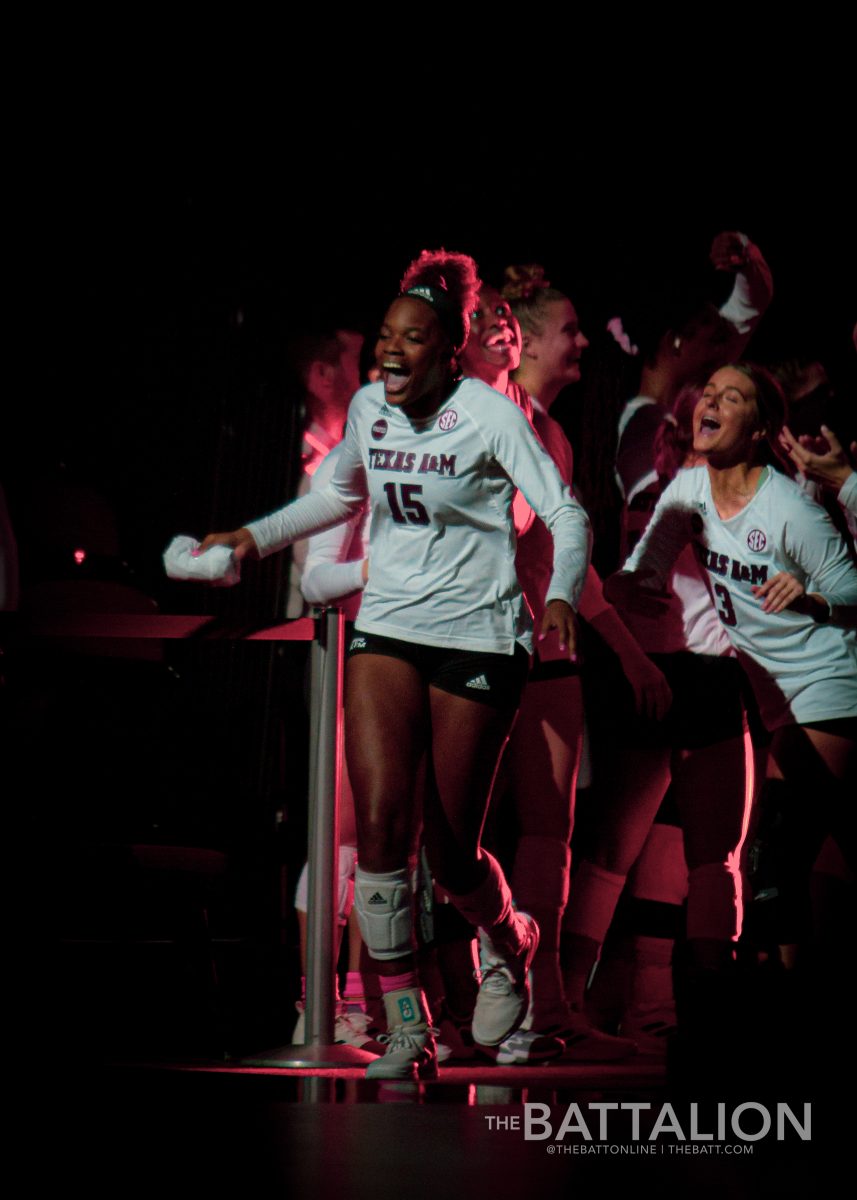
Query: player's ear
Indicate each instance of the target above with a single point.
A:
(763, 432)
(319, 377)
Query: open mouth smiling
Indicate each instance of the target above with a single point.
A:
(501, 343)
(395, 375)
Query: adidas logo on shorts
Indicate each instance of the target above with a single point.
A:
(376, 899)
(480, 683)
(357, 644)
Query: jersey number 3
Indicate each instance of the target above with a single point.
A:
(727, 612)
(405, 509)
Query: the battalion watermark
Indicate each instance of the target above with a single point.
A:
(639, 1128)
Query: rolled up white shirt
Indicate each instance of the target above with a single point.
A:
(217, 565)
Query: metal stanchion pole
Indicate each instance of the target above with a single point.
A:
(326, 771)
(325, 767)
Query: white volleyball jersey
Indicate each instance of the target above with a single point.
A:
(691, 623)
(442, 541)
(801, 671)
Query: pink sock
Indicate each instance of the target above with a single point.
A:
(489, 907)
(398, 983)
(354, 989)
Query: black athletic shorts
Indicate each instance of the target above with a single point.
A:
(710, 696)
(496, 680)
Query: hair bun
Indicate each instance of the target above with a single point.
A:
(455, 275)
(521, 282)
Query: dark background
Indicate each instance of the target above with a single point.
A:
(173, 230)
(172, 241)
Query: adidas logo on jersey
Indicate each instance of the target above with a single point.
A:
(357, 644)
(480, 683)
(377, 898)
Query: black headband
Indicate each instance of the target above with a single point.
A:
(447, 311)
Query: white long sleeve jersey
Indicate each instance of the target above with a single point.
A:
(442, 540)
(801, 671)
(333, 571)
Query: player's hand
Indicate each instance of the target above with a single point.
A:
(821, 458)
(560, 616)
(783, 591)
(240, 542)
(729, 251)
(652, 695)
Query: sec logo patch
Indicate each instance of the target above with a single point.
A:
(379, 429)
(448, 420)
(756, 540)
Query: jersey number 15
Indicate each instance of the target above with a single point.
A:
(404, 507)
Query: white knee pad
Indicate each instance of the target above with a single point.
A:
(345, 884)
(385, 912)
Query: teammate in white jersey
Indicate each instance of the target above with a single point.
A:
(441, 644)
(541, 761)
(780, 578)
